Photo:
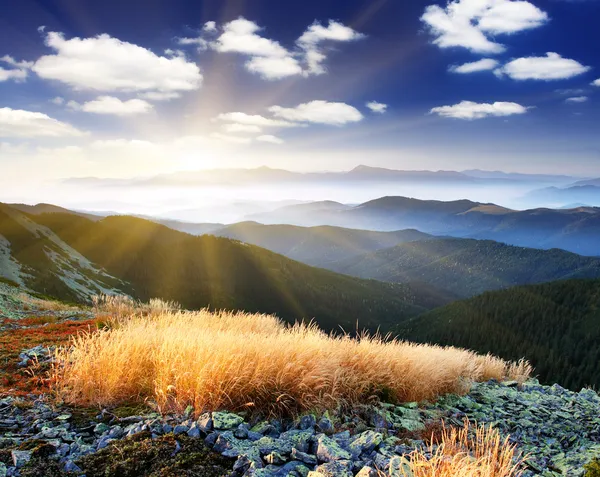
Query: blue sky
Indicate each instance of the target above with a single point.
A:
(131, 88)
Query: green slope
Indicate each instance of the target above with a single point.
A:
(554, 325)
(316, 245)
(34, 257)
(468, 267)
(222, 273)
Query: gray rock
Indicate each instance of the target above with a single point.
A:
(205, 422)
(180, 429)
(303, 457)
(328, 450)
(367, 471)
(3, 470)
(71, 466)
(307, 421)
(275, 458)
(194, 431)
(365, 442)
(338, 468)
(20, 458)
(226, 420)
(399, 467)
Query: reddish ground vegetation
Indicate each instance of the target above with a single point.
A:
(21, 381)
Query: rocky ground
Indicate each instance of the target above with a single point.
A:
(557, 430)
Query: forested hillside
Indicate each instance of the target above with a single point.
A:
(555, 325)
(317, 246)
(219, 273)
(468, 267)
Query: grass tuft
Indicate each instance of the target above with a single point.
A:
(240, 361)
(465, 452)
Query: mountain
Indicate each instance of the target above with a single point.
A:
(316, 246)
(520, 177)
(216, 272)
(575, 230)
(468, 267)
(587, 182)
(556, 326)
(42, 208)
(268, 175)
(33, 256)
(587, 194)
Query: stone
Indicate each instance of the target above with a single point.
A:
(180, 429)
(328, 450)
(275, 458)
(194, 431)
(307, 421)
(20, 457)
(365, 442)
(101, 428)
(367, 471)
(338, 468)
(3, 470)
(303, 457)
(70, 466)
(399, 467)
(226, 420)
(205, 423)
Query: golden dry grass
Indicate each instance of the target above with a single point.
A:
(122, 307)
(237, 361)
(466, 452)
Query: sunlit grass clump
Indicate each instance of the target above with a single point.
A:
(239, 361)
(466, 452)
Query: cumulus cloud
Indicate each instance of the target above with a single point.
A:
(20, 123)
(231, 139)
(577, 99)
(241, 128)
(545, 68)
(267, 57)
(108, 64)
(271, 139)
(468, 24)
(120, 143)
(58, 100)
(200, 43)
(159, 95)
(320, 112)
(274, 68)
(311, 42)
(112, 105)
(17, 73)
(596, 82)
(484, 64)
(377, 107)
(253, 120)
(472, 110)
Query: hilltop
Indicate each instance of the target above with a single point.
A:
(468, 267)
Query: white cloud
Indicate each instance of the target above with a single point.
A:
(577, 99)
(120, 143)
(241, 128)
(8, 148)
(201, 43)
(17, 64)
(19, 73)
(210, 27)
(546, 68)
(310, 41)
(377, 107)
(271, 139)
(20, 123)
(596, 82)
(231, 139)
(58, 101)
(112, 105)
(322, 112)
(274, 68)
(467, 23)
(484, 64)
(254, 120)
(104, 63)
(472, 110)
(159, 95)
(241, 36)
(269, 58)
